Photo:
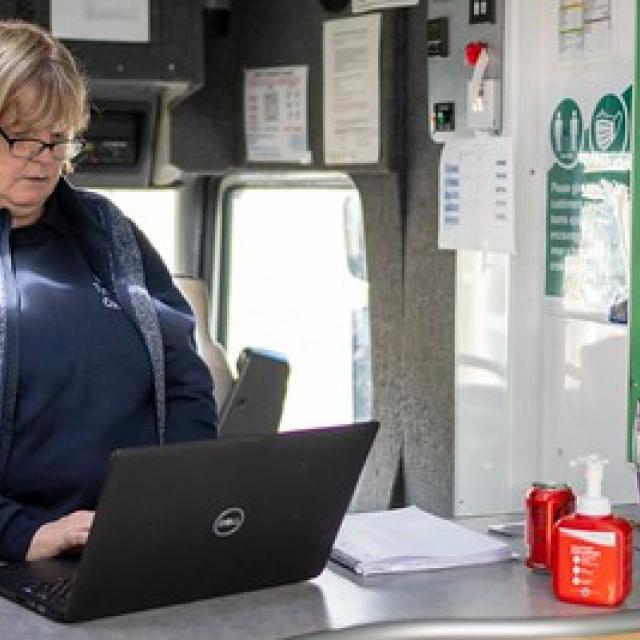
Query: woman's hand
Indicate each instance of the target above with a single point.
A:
(61, 535)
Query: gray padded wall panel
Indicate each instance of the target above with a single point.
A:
(429, 304)
(383, 233)
(268, 33)
(174, 54)
(205, 128)
(413, 323)
(287, 32)
(292, 34)
(413, 283)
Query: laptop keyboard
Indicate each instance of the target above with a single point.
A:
(55, 591)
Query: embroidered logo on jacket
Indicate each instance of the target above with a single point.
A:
(105, 295)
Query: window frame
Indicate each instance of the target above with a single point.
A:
(218, 271)
(218, 275)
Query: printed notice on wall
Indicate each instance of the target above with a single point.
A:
(275, 114)
(104, 20)
(585, 29)
(360, 6)
(476, 195)
(352, 90)
(588, 201)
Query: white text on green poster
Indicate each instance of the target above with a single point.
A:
(587, 202)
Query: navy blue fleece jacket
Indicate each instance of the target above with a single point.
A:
(96, 353)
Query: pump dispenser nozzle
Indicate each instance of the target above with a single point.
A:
(593, 503)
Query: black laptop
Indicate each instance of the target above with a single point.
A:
(188, 521)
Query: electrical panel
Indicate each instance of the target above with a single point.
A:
(465, 49)
(120, 139)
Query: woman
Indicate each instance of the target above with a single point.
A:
(96, 344)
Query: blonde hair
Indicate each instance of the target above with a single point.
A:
(41, 84)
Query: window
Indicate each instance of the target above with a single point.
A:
(155, 212)
(296, 283)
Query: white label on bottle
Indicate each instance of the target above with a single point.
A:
(601, 538)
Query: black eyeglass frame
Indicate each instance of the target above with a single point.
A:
(11, 142)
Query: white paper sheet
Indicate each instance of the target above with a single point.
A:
(476, 195)
(585, 29)
(104, 20)
(360, 6)
(352, 90)
(275, 114)
(411, 539)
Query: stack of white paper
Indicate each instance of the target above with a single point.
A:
(410, 539)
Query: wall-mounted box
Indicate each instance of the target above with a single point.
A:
(438, 37)
(482, 11)
(448, 77)
(121, 139)
(484, 112)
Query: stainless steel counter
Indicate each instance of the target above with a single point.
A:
(499, 600)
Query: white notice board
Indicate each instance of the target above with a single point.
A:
(351, 52)
(275, 114)
(476, 195)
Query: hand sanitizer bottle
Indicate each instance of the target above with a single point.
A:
(592, 549)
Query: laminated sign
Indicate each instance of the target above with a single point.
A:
(588, 204)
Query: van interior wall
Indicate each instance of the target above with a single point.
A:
(412, 284)
(206, 126)
(169, 58)
(554, 401)
(429, 301)
(540, 380)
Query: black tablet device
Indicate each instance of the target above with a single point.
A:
(255, 401)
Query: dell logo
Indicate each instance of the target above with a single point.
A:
(228, 522)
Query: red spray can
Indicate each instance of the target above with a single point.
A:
(546, 503)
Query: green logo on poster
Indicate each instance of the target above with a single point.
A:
(609, 125)
(566, 133)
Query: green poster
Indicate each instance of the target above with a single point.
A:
(587, 257)
(634, 298)
(564, 208)
(566, 133)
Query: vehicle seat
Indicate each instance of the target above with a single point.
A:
(212, 352)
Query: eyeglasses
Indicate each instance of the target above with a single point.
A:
(29, 148)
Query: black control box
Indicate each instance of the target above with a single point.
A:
(438, 38)
(482, 11)
(444, 116)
